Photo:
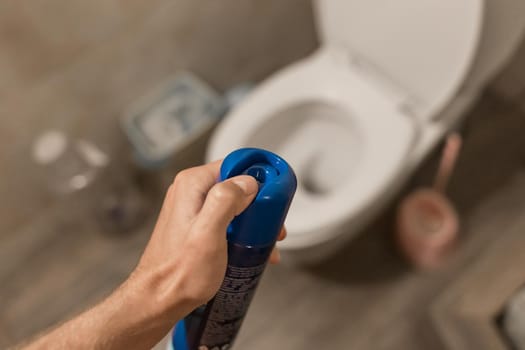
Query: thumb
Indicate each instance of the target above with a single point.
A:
(224, 201)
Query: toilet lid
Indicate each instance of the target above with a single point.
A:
(424, 46)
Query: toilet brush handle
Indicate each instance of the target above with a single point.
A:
(448, 162)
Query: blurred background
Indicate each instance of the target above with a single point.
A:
(73, 227)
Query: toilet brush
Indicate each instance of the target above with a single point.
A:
(427, 222)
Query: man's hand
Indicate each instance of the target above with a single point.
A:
(187, 253)
(182, 267)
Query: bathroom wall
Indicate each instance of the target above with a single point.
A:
(510, 83)
(76, 65)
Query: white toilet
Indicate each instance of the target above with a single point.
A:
(354, 119)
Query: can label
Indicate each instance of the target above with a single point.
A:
(223, 315)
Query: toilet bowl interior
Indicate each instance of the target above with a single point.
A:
(321, 141)
(344, 155)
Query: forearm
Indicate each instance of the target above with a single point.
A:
(132, 317)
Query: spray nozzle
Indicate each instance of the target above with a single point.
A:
(260, 223)
(262, 172)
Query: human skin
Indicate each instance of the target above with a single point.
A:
(182, 267)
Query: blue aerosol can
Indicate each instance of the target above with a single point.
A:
(251, 237)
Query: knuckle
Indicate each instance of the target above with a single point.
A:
(188, 178)
(182, 176)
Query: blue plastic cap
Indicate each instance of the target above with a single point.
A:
(261, 222)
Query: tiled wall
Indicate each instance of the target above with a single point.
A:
(76, 65)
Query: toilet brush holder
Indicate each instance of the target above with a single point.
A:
(427, 223)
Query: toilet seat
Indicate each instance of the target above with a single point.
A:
(345, 96)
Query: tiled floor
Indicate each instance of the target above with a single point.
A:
(363, 298)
